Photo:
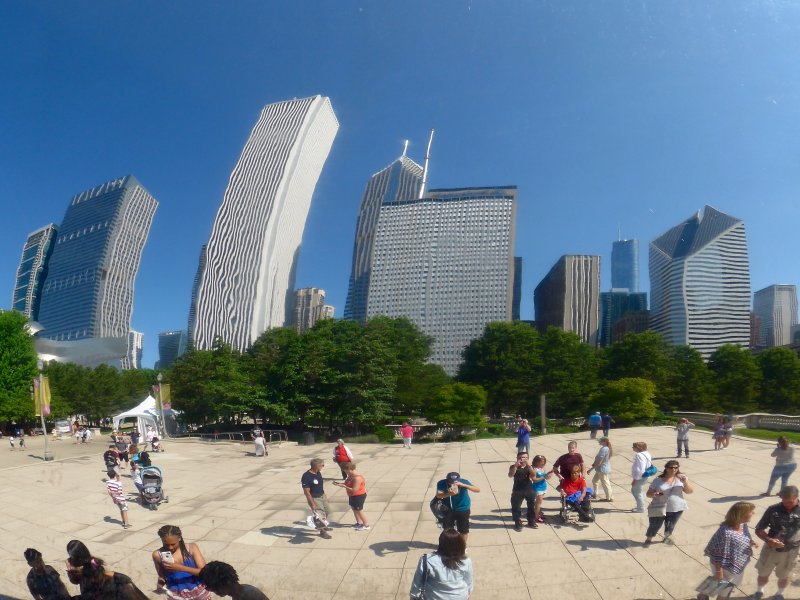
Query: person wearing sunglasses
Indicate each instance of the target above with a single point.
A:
(668, 503)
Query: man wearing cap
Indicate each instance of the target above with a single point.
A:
(454, 490)
(780, 530)
(595, 423)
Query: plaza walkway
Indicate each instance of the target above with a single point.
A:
(249, 512)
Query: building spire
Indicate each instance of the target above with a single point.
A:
(405, 147)
(425, 169)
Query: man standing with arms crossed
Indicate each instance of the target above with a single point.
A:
(780, 530)
(315, 492)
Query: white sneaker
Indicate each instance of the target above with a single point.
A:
(364, 528)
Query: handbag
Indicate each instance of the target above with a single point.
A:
(421, 595)
(650, 471)
(714, 587)
(659, 510)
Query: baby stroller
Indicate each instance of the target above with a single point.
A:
(573, 511)
(153, 492)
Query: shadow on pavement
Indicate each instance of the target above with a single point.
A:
(725, 499)
(294, 535)
(609, 545)
(384, 548)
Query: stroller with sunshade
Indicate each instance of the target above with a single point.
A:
(152, 487)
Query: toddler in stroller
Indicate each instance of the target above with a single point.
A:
(576, 502)
(152, 491)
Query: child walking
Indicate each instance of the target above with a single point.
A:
(356, 487)
(539, 484)
(114, 487)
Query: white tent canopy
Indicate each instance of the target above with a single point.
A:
(146, 414)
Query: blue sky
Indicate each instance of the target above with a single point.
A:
(604, 114)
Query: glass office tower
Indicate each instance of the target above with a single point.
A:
(776, 307)
(625, 265)
(32, 271)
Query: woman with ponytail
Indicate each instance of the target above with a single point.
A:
(178, 566)
(97, 583)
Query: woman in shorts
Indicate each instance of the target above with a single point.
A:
(539, 483)
(356, 487)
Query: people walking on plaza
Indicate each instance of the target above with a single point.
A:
(44, 582)
(445, 574)
(178, 566)
(642, 462)
(602, 469)
(222, 579)
(455, 490)
(667, 504)
(595, 423)
(607, 421)
(11, 440)
(96, 583)
(259, 443)
(540, 477)
(136, 475)
(729, 550)
(149, 435)
(785, 465)
(356, 487)
(727, 430)
(314, 490)
(522, 490)
(135, 436)
(524, 436)
(114, 489)
(121, 444)
(563, 466)
(779, 528)
(111, 458)
(341, 455)
(682, 429)
(719, 433)
(407, 433)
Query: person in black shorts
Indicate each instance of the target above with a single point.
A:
(455, 491)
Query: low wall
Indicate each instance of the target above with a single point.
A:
(751, 421)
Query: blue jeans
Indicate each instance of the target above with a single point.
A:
(638, 489)
(781, 472)
(685, 447)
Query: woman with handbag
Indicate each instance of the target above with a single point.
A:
(641, 469)
(668, 503)
(447, 573)
(728, 552)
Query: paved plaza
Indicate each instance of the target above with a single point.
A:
(250, 512)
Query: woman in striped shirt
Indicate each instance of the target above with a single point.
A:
(731, 547)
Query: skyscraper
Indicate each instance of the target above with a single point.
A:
(446, 262)
(133, 359)
(625, 265)
(88, 292)
(198, 277)
(700, 282)
(171, 345)
(517, 294)
(247, 283)
(568, 297)
(398, 182)
(32, 271)
(613, 306)
(310, 307)
(776, 307)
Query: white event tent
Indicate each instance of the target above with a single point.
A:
(146, 414)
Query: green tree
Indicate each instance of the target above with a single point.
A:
(17, 367)
(642, 355)
(689, 383)
(738, 378)
(629, 399)
(458, 404)
(70, 388)
(780, 380)
(507, 363)
(569, 373)
(104, 392)
(276, 370)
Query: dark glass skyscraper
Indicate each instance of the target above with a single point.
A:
(171, 345)
(625, 265)
(613, 305)
(32, 271)
(88, 292)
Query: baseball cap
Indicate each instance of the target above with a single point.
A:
(453, 477)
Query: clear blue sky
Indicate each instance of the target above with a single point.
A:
(605, 114)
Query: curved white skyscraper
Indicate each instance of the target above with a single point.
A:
(700, 283)
(248, 280)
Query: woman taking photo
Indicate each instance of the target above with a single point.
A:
(784, 465)
(178, 566)
(668, 503)
(731, 547)
(447, 573)
(96, 583)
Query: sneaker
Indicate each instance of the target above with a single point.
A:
(669, 540)
(648, 541)
(517, 525)
(365, 528)
(540, 519)
(757, 596)
(357, 526)
(533, 525)
(778, 597)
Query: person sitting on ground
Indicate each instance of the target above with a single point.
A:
(222, 579)
(43, 581)
(178, 566)
(95, 582)
(574, 490)
(447, 573)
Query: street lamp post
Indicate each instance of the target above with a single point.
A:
(160, 378)
(48, 456)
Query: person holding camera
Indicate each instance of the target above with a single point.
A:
(522, 489)
(178, 566)
(785, 465)
(456, 490)
(524, 436)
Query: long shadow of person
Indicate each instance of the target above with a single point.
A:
(295, 535)
(726, 499)
(384, 548)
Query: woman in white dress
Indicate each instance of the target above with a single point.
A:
(260, 445)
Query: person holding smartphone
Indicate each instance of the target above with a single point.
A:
(668, 503)
(522, 489)
(178, 566)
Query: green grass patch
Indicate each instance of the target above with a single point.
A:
(769, 434)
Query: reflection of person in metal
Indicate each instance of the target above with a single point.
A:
(731, 547)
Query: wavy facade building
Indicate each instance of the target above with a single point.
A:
(700, 283)
(32, 270)
(446, 262)
(88, 291)
(247, 283)
(398, 182)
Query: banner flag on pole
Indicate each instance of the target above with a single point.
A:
(37, 398)
(166, 403)
(45, 396)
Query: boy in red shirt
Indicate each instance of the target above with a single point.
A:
(574, 491)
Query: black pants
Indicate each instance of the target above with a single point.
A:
(516, 504)
(584, 508)
(669, 521)
(459, 520)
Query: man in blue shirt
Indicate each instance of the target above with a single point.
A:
(595, 423)
(455, 490)
(524, 437)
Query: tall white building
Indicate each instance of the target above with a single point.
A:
(446, 262)
(700, 283)
(310, 307)
(776, 306)
(247, 283)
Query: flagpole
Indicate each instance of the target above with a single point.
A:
(48, 456)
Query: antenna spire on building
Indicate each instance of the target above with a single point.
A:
(405, 147)
(425, 168)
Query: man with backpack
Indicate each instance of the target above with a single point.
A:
(111, 459)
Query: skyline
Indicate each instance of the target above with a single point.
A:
(615, 115)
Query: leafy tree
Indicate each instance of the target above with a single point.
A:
(738, 378)
(458, 404)
(17, 367)
(637, 355)
(569, 372)
(104, 392)
(780, 380)
(506, 362)
(70, 389)
(276, 369)
(628, 399)
(689, 384)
